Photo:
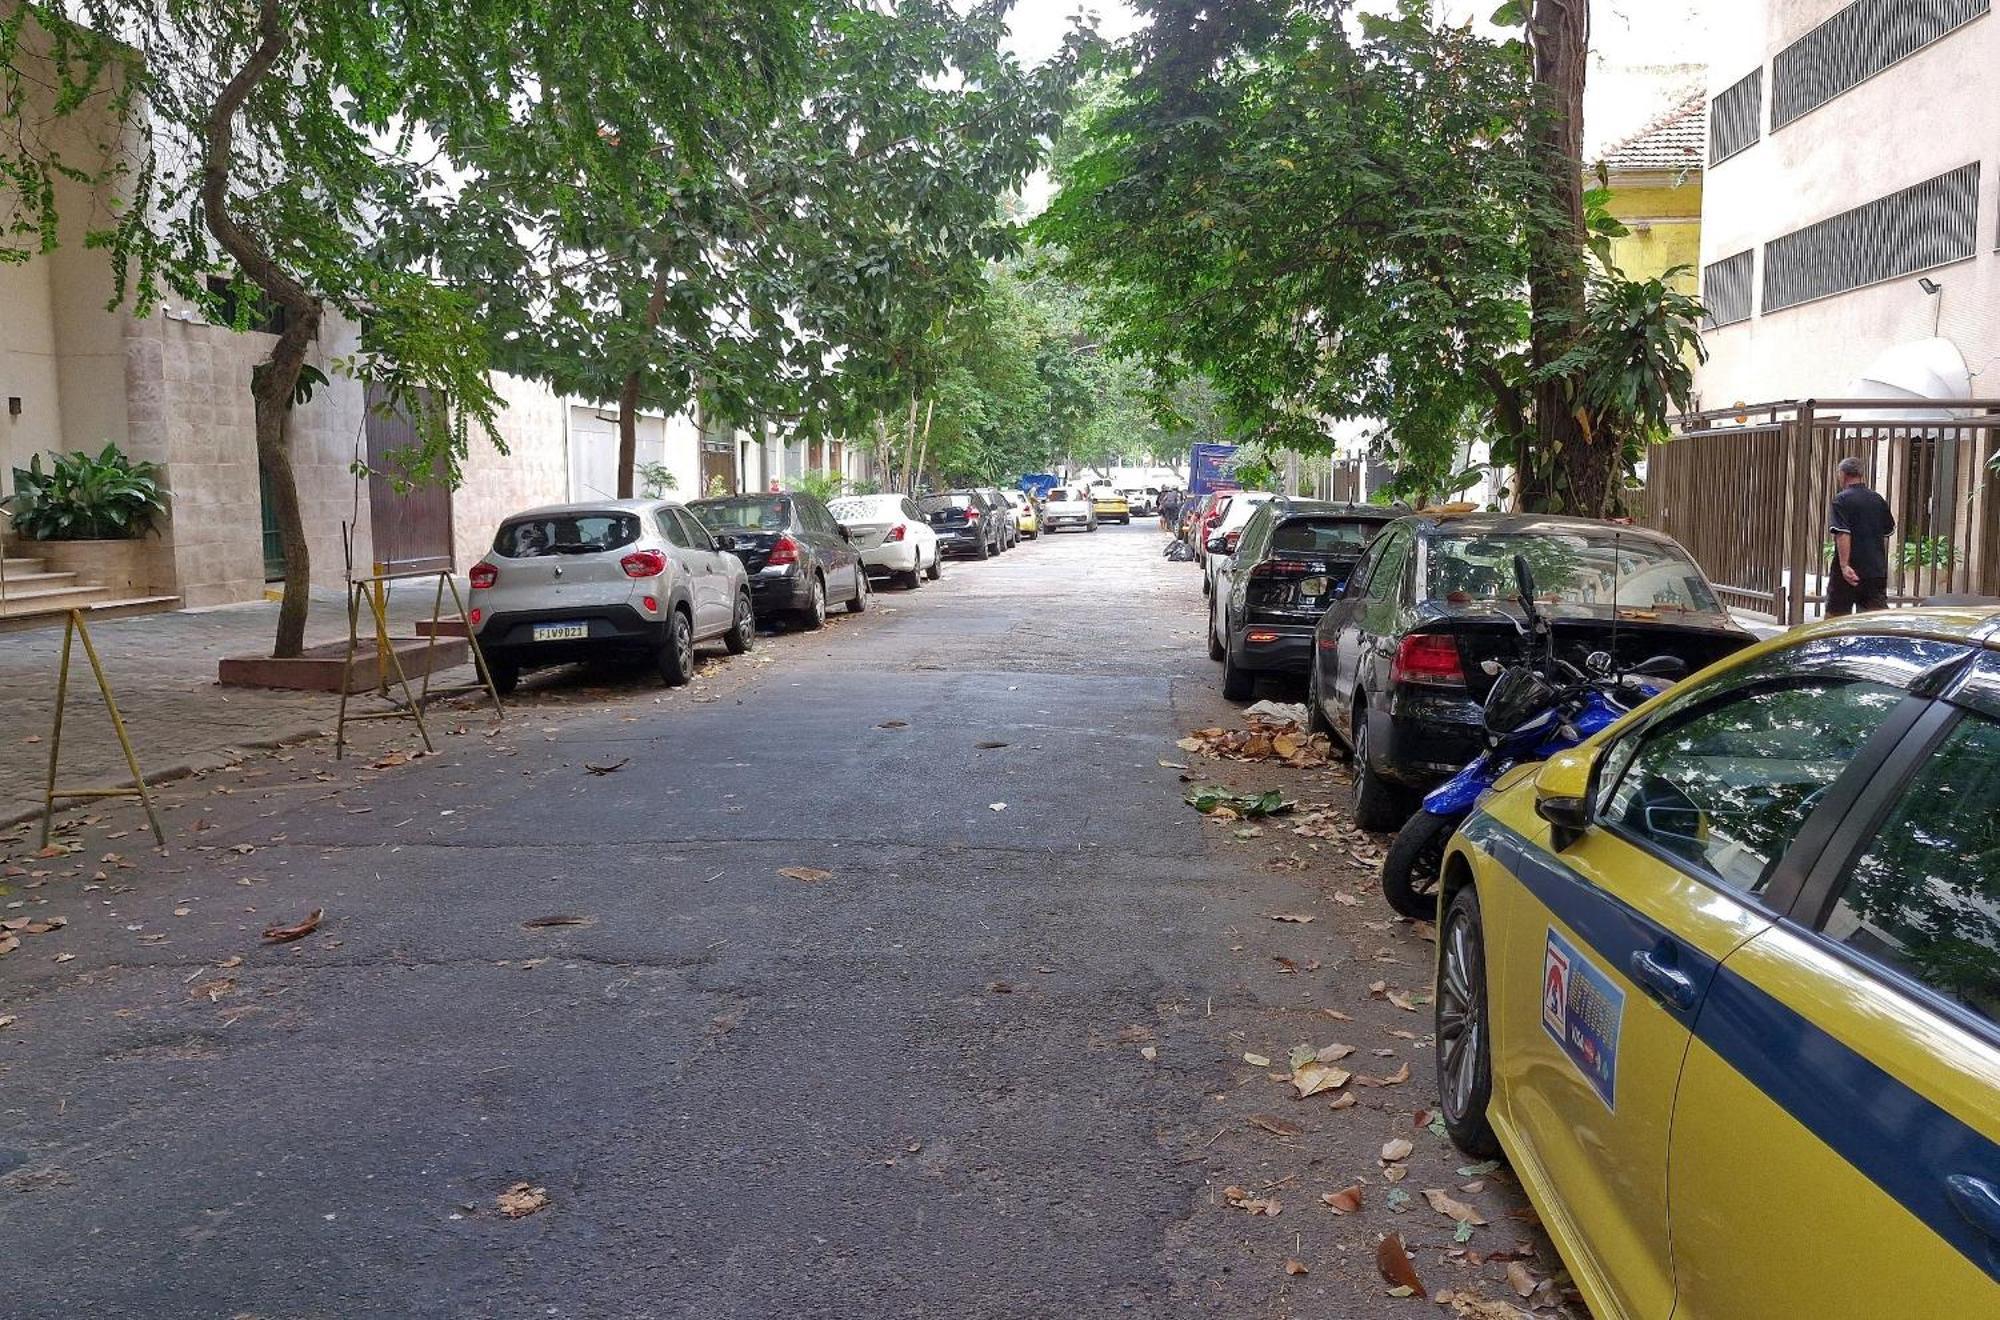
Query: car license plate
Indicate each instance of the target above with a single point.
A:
(561, 632)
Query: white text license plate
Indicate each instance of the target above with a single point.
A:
(561, 632)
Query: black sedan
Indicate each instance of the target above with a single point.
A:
(967, 523)
(1398, 663)
(798, 555)
(1290, 562)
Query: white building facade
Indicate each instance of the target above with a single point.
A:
(1851, 209)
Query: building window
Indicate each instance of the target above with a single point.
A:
(1931, 224)
(1735, 118)
(1725, 289)
(241, 301)
(1856, 44)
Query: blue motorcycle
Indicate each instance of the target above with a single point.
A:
(1537, 707)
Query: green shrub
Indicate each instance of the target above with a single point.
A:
(84, 498)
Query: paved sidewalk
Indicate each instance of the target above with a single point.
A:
(162, 670)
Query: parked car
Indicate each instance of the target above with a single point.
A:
(1192, 509)
(1143, 501)
(1211, 513)
(1010, 518)
(892, 536)
(1739, 953)
(1398, 658)
(1068, 506)
(1108, 503)
(965, 523)
(1292, 560)
(798, 556)
(1026, 516)
(1224, 532)
(571, 582)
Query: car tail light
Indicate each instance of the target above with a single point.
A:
(972, 515)
(1231, 539)
(476, 615)
(784, 551)
(1278, 568)
(1258, 636)
(1427, 658)
(643, 564)
(896, 533)
(484, 575)
(652, 605)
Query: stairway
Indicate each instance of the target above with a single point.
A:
(31, 595)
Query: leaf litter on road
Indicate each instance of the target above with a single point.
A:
(521, 1200)
(298, 930)
(810, 875)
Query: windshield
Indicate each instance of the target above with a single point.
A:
(1569, 569)
(860, 508)
(1323, 536)
(1063, 495)
(756, 513)
(565, 534)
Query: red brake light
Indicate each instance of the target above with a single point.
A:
(1278, 568)
(1231, 539)
(476, 615)
(484, 575)
(1427, 658)
(972, 515)
(1257, 636)
(895, 533)
(652, 605)
(643, 564)
(785, 551)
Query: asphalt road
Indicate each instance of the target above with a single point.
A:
(916, 1087)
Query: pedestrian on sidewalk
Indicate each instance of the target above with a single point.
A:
(1861, 524)
(1170, 508)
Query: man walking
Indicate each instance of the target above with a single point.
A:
(1861, 524)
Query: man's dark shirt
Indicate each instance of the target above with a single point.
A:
(1864, 516)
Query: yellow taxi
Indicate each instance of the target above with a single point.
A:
(1025, 513)
(1110, 505)
(1724, 983)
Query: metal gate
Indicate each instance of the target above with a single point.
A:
(411, 525)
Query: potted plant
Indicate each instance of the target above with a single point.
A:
(86, 512)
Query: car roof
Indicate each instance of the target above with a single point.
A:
(1517, 523)
(588, 506)
(1978, 625)
(1292, 507)
(746, 495)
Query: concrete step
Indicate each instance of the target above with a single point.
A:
(56, 596)
(21, 584)
(21, 565)
(49, 611)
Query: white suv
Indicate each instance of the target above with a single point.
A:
(1068, 506)
(572, 581)
(1224, 533)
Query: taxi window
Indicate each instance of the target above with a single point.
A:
(1726, 786)
(1924, 895)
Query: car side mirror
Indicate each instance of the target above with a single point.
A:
(725, 542)
(1218, 545)
(846, 532)
(1562, 794)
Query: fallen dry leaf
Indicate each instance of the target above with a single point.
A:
(1277, 1127)
(1444, 1204)
(811, 875)
(1401, 999)
(1345, 1201)
(7, 1020)
(988, 745)
(522, 1199)
(613, 768)
(1316, 1077)
(1257, 1060)
(1518, 1278)
(1333, 1053)
(1343, 1100)
(1345, 899)
(893, 724)
(559, 919)
(297, 930)
(1296, 1267)
(1149, 1053)
(214, 990)
(1396, 1148)
(1396, 1266)
(233, 960)
(1293, 917)
(1396, 1078)
(1256, 1205)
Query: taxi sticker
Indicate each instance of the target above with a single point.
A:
(1582, 1010)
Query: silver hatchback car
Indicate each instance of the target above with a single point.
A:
(571, 581)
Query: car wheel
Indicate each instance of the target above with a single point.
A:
(1238, 683)
(915, 577)
(937, 566)
(814, 616)
(859, 601)
(1464, 1032)
(1207, 586)
(1215, 651)
(677, 652)
(742, 634)
(506, 675)
(985, 551)
(1316, 721)
(1378, 804)
(1410, 871)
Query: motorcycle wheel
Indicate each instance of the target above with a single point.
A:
(1410, 871)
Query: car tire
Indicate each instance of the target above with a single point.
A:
(506, 675)
(1464, 1028)
(985, 551)
(915, 577)
(1215, 651)
(742, 634)
(936, 570)
(1238, 683)
(1410, 869)
(1316, 720)
(813, 617)
(859, 601)
(676, 659)
(1207, 587)
(1378, 804)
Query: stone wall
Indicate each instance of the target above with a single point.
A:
(533, 470)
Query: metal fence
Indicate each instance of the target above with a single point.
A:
(1747, 490)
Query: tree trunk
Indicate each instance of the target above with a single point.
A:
(628, 394)
(1561, 469)
(910, 446)
(272, 384)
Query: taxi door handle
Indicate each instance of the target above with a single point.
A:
(1978, 1200)
(1661, 979)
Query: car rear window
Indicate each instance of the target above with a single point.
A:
(756, 513)
(536, 535)
(859, 508)
(1322, 536)
(1062, 495)
(1570, 569)
(935, 503)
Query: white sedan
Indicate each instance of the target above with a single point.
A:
(892, 536)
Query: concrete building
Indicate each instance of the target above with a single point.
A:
(1849, 217)
(1655, 183)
